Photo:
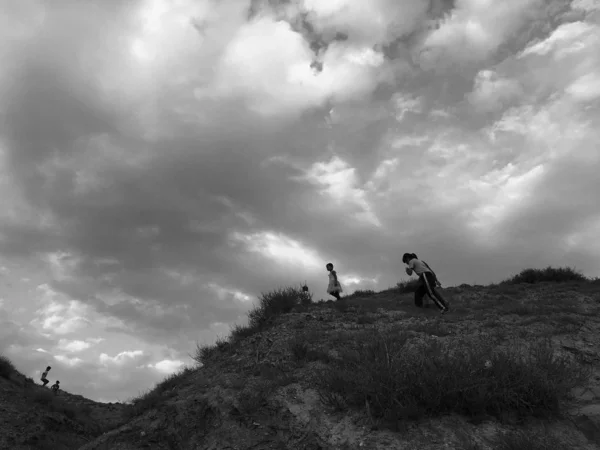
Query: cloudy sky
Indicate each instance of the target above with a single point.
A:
(162, 162)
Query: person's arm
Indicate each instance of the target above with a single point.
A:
(334, 273)
(409, 269)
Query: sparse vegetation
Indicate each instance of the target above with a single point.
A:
(253, 396)
(158, 394)
(341, 305)
(271, 305)
(205, 353)
(55, 404)
(365, 319)
(364, 293)
(405, 287)
(549, 274)
(6, 367)
(530, 440)
(402, 378)
(299, 348)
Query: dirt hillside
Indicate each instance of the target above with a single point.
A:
(511, 366)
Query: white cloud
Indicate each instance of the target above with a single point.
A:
(280, 249)
(568, 38)
(62, 264)
(409, 141)
(60, 318)
(223, 292)
(493, 92)
(68, 361)
(502, 191)
(380, 180)
(120, 359)
(340, 182)
(405, 103)
(366, 23)
(357, 280)
(586, 88)
(73, 346)
(551, 130)
(168, 366)
(585, 5)
(269, 66)
(566, 61)
(474, 30)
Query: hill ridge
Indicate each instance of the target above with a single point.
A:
(274, 386)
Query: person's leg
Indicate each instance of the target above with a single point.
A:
(442, 300)
(336, 295)
(430, 283)
(419, 294)
(45, 381)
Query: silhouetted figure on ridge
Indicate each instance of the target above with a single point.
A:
(334, 288)
(44, 376)
(55, 387)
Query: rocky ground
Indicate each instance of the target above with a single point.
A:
(262, 392)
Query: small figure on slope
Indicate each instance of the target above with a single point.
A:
(45, 375)
(55, 387)
(334, 288)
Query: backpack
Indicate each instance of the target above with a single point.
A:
(434, 275)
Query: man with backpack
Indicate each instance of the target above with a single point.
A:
(428, 282)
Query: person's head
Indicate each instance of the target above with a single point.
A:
(329, 266)
(57, 382)
(48, 368)
(407, 257)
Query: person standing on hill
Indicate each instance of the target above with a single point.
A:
(334, 288)
(55, 387)
(44, 376)
(427, 282)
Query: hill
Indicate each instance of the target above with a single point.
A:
(32, 417)
(512, 366)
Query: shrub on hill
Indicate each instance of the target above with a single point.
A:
(406, 287)
(158, 394)
(557, 275)
(398, 378)
(271, 305)
(363, 293)
(6, 367)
